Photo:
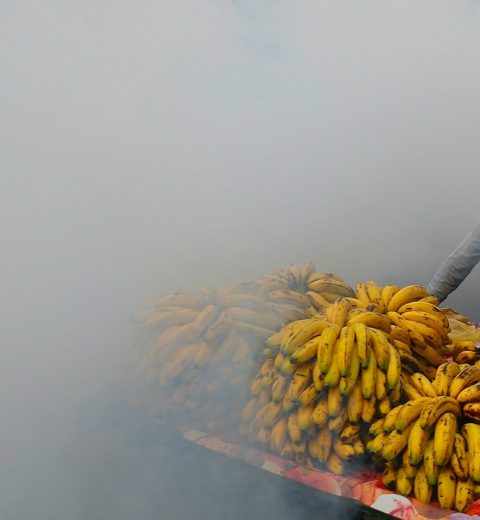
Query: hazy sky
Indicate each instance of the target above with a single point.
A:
(153, 146)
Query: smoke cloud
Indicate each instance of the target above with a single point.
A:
(150, 147)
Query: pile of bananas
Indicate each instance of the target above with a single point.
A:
(430, 444)
(329, 378)
(196, 352)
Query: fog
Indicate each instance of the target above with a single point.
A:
(150, 147)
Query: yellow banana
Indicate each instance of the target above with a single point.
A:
(326, 346)
(410, 470)
(368, 409)
(375, 445)
(411, 392)
(334, 399)
(444, 437)
(350, 433)
(387, 293)
(250, 409)
(436, 408)
(395, 443)
(406, 295)
(320, 413)
(428, 320)
(344, 349)
(368, 376)
(384, 406)
(391, 418)
(469, 394)
(400, 334)
(317, 300)
(465, 378)
(423, 384)
(332, 377)
(431, 469)
(421, 487)
(359, 447)
(271, 413)
(446, 488)
(279, 387)
(380, 346)
(464, 345)
(362, 293)
(306, 352)
(304, 416)
(445, 374)
(471, 432)
(377, 427)
(324, 443)
(466, 356)
(472, 410)
(396, 393)
(431, 355)
(318, 378)
(334, 464)
(349, 381)
(309, 330)
(389, 476)
(423, 306)
(293, 429)
(372, 319)
(362, 339)
(337, 312)
(464, 496)
(380, 384)
(287, 367)
(460, 459)
(410, 411)
(394, 368)
(355, 404)
(336, 424)
(279, 435)
(344, 450)
(403, 484)
(308, 396)
(416, 443)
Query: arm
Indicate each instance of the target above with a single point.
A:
(457, 266)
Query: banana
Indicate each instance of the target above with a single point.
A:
(334, 400)
(355, 404)
(305, 333)
(426, 368)
(336, 424)
(422, 306)
(389, 476)
(293, 429)
(279, 435)
(359, 447)
(368, 376)
(427, 319)
(419, 330)
(394, 368)
(395, 443)
(306, 352)
(388, 292)
(380, 385)
(350, 433)
(169, 316)
(436, 408)
(373, 320)
(344, 450)
(287, 367)
(469, 394)
(466, 356)
(348, 382)
(304, 416)
(411, 392)
(384, 406)
(410, 411)
(373, 292)
(337, 312)
(204, 319)
(289, 297)
(472, 410)
(464, 496)
(421, 487)
(429, 353)
(376, 444)
(445, 374)
(464, 345)
(271, 413)
(320, 413)
(423, 384)
(431, 469)
(380, 346)
(334, 464)
(250, 409)
(444, 437)
(248, 328)
(326, 346)
(345, 347)
(307, 270)
(263, 436)
(476, 490)
(396, 393)
(446, 488)
(287, 450)
(391, 418)
(460, 460)
(406, 295)
(465, 378)
(332, 377)
(368, 409)
(308, 396)
(410, 470)
(362, 293)
(409, 363)
(471, 432)
(317, 300)
(356, 303)
(403, 484)
(296, 387)
(400, 334)
(362, 339)
(416, 443)
(377, 427)
(324, 444)
(279, 387)
(318, 378)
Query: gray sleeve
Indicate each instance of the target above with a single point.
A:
(457, 266)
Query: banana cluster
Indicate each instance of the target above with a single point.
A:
(430, 445)
(196, 352)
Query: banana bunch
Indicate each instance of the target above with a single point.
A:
(430, 444)
(199, 351)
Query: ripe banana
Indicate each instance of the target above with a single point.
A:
(349, 381)
(431, 469)
(465, 378)
(444, 437)
(416, 442)
(446, 488)
(279, 435)
(373, 320)
(344, 350)
(380, 384)
(368, 409)
(368, 376)
(304, 416)
(388, 292)
(308, 396)
(469, 394)
(423, 384)
(334, 464)
(320, 413)
(403, 484)
(362, 339)
(472, 410)
(410, 470)
(423, 306)
(394, 368)
(391, 418)
(324, 444)
(389, 476)
(380, 346)
(395, 443)
(306, 352)
(318, 378)
(293, 429)
(466, 356)
(313, 328)
(436, 408)
(471, 432)
(326, 346)
(421, 487)
(406, 295)
(355, 404)
(445, 374)
(410, 411)
(334, 400)
(464, 496)
(460, 459)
